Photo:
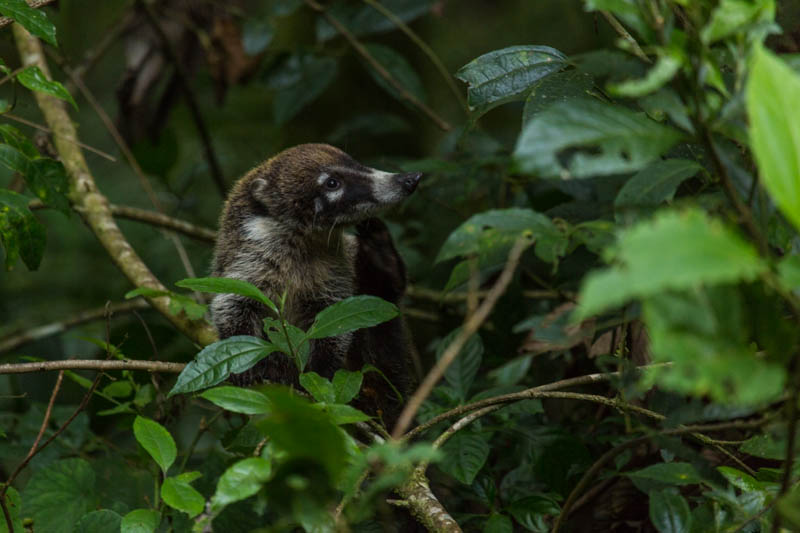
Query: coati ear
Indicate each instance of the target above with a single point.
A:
(258, 187)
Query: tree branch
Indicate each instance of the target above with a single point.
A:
(423, 504)
(93, 205)
(470, 327)
(92, 364)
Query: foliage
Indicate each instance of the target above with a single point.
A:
(654, 172)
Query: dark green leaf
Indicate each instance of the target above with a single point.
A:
(156, 440)
(35, 80)
(765, 446)
(227, 286)
(298, 82)
(498, 523)
(318, 387)
(33, 20)
(256, 35)
(57, 496)
(532, 511)
(670, 512)
(238, 400)
(217, 361)
(464, 456)
(774, 127)
(362, 19)
(789, 508)
(140, 521)
(340, 414)
(350, 314)
(178, 494)
(555, 88)
(600, 139)
(47, 179)
(20, 231)
(505, 75)
(277, 335)
(670, 473)
(400, 69)
(462, 371)
(19, 141)
(102, 521)
(346, 385)
(14, 506)
(240, 481)
(655, 183)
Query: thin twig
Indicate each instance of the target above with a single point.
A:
(427, 50)
(92, 364)
(622, 32)
(191, 100)
(468, 329)
(423, 293)
(81, 317)
(35, 4)
(380, 69)
(39, 127)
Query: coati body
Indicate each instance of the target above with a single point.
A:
(282, 230)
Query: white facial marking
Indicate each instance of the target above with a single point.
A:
(334, 195)
(322, 177)
(318, 205)
(384, 187)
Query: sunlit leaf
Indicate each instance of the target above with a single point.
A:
(179, 494)
(33, 20)
(35, 80)
(240, 481)
(238, 400)
(227, 286)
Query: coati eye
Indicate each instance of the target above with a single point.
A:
(332, 184)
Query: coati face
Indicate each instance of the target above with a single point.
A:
(317, 186)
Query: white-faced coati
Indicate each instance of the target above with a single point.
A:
(282, 230)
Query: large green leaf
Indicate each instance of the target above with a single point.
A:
(462, 371)
(350, 314)
(773, 90)
(400, 69)
(156, 440)
(45, 177)
(57, 496)
(238, 400)
(14, 506)
(227, 286)
(299, 81)
(35, 80)
(140, 521)
(505, 75)
(346, 385)
(240, 481)
(595, 138)
(464, 456)
(669, 512)
(102, 521)
(21, 232)
(655, 183)
(18, 140)
(33, 20)
(559, 87)
(179, 494)
(318, 387)
(362, 19)
(219, 360)
(675, 250)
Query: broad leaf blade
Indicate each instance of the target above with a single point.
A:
(238, 400)
(156, 440)
(655, 183)
(58, 495)
(464, 456)
(669, 512)
(362, 19)
(140, 521)
(33, 20)
(240, 481)
(227, 286)
(346, 385)
(21, 232)
(178, 494)
(35, 80)
(350, 314)
(318, 387)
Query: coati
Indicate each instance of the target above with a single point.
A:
(282, 230)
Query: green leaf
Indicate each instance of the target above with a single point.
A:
(668, 64)
(277, 335)
(57, 496)
(319, 388)
(341, 414)
(238, 400)
(765, 446)
(531, 511)
(14, 506)
(732, 16)
(257, 33)
(669, 512)
(35, 80)
(498, 523)
(670, 473)
(606, 139)
(33, 20)
(462, 371)
(219, 360)
(156, 441)
(363, 19)
(772, 90)
(177, 302)
(178, 494)
(102, 521)
(506, 75)
(400, 69)
(240, 481)
(789, 508)
(464, 456)
(18, 141)
(675, 250)
(227, 286)
(20, 231)
(140, 521)
(47, 179)
(559, 87)
(299, 81)
(789, 272)
(346, 385)
(740, 480)
(655, 183)
(352, 313)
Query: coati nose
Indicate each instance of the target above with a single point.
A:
(409, 180)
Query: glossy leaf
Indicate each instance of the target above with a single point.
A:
(675, 250)
(102, 521)
(140, 521)
(505, 75)
(219, 360)
(607, 139)
(362, 19)
(240, 481)
(772, 90)
(350, 314)
(156, 441)
(33, 20)
(346, 385)
(227, 286)
(57, 496)
(35, 80)
(318, 387)
(179, 494)
(464, 456)
(669, 512)
(21, 232)
(238, 400)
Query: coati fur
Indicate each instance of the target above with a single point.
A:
(282, 230)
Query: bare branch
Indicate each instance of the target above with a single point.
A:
(92, 364)
(93, 205)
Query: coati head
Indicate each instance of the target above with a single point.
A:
(314, 187)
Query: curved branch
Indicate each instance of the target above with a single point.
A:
(40, 332)
(92, 204)
(92, 364)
